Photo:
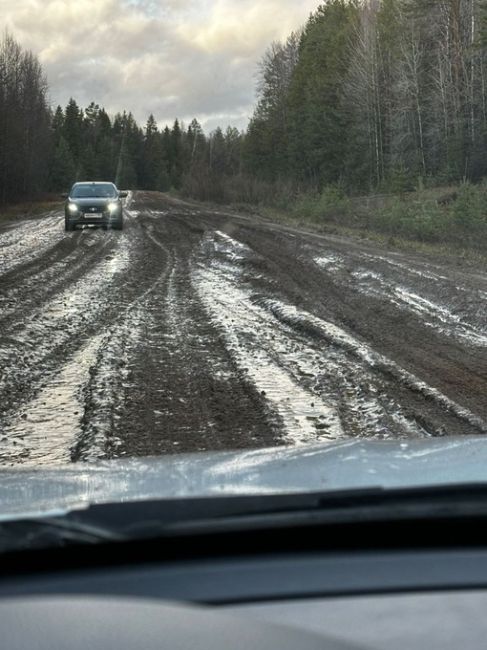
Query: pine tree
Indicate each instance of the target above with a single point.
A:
(25, 123)
(62, 173)
(268, 134)
(73, 129)
(318, 124)
(217, 152)
(176, 156)
(233, 151)
(126, 176)
(57, 123)
(152, 156)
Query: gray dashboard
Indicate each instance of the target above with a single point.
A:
(230, 580)
(418, 600)
(126, 624)
(432, 621)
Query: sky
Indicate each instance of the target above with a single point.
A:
(172, 58)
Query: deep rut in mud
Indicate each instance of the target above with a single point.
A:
(198, 329)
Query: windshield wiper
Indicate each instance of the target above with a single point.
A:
(166, 518)
(169, 517)
(367, 506)
(44, 532)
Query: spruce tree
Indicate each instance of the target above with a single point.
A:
(176, 156)
(62, 173)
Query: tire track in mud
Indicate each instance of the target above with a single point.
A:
(454, 364)
(455, 309)
(42, 385)
(358, 388)
(26, 240)
(283, 268)
(181, 390)
(41, 280)
(34, 341)
(107, 392)
(197, 330)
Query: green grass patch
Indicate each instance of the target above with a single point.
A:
(416, 224)
(449, 218)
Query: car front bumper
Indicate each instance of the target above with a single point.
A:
(90, 219)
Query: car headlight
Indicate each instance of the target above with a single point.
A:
(112, 207)
(72, 207)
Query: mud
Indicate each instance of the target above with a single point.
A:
(196, 329)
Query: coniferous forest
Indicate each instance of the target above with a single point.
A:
(375, 94)
(370, 96)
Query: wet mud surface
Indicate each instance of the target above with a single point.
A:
(196, 329)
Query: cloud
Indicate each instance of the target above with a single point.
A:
(184, 58)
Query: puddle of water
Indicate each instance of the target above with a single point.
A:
(366, 275)
(433, 314)
(453, 323)
(232, 249)
(306, 417)
(68, 311)
(330, 262)
(422, 273)
(425, 305)
(29, 239)
(49, 425)
(232, 243)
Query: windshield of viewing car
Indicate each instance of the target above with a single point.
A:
(291, 292)
(93, 191)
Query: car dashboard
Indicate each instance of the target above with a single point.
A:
(401, 598)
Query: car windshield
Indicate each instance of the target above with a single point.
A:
(93, 191)
(289, 292)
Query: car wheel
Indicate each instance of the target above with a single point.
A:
(68, 227)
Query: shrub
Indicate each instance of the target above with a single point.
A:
(331, 204)
(470, 208)
(421, 220)
(400, 180)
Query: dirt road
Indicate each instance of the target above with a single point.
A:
(197, 329)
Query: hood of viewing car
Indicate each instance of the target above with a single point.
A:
(344, 465)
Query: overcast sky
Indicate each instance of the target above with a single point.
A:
(174, 58)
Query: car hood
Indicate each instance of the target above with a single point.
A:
(93, 201)
(345, 465)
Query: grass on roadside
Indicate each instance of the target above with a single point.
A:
(29, 208)
(425, 222)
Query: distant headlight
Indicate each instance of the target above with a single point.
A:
(72, 207)
(112, 207)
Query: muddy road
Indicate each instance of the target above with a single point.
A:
(197, 329)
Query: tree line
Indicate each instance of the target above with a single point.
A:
(24, 123)
(88, 144)
(375, 94)
(45, 150)
(370, 95)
